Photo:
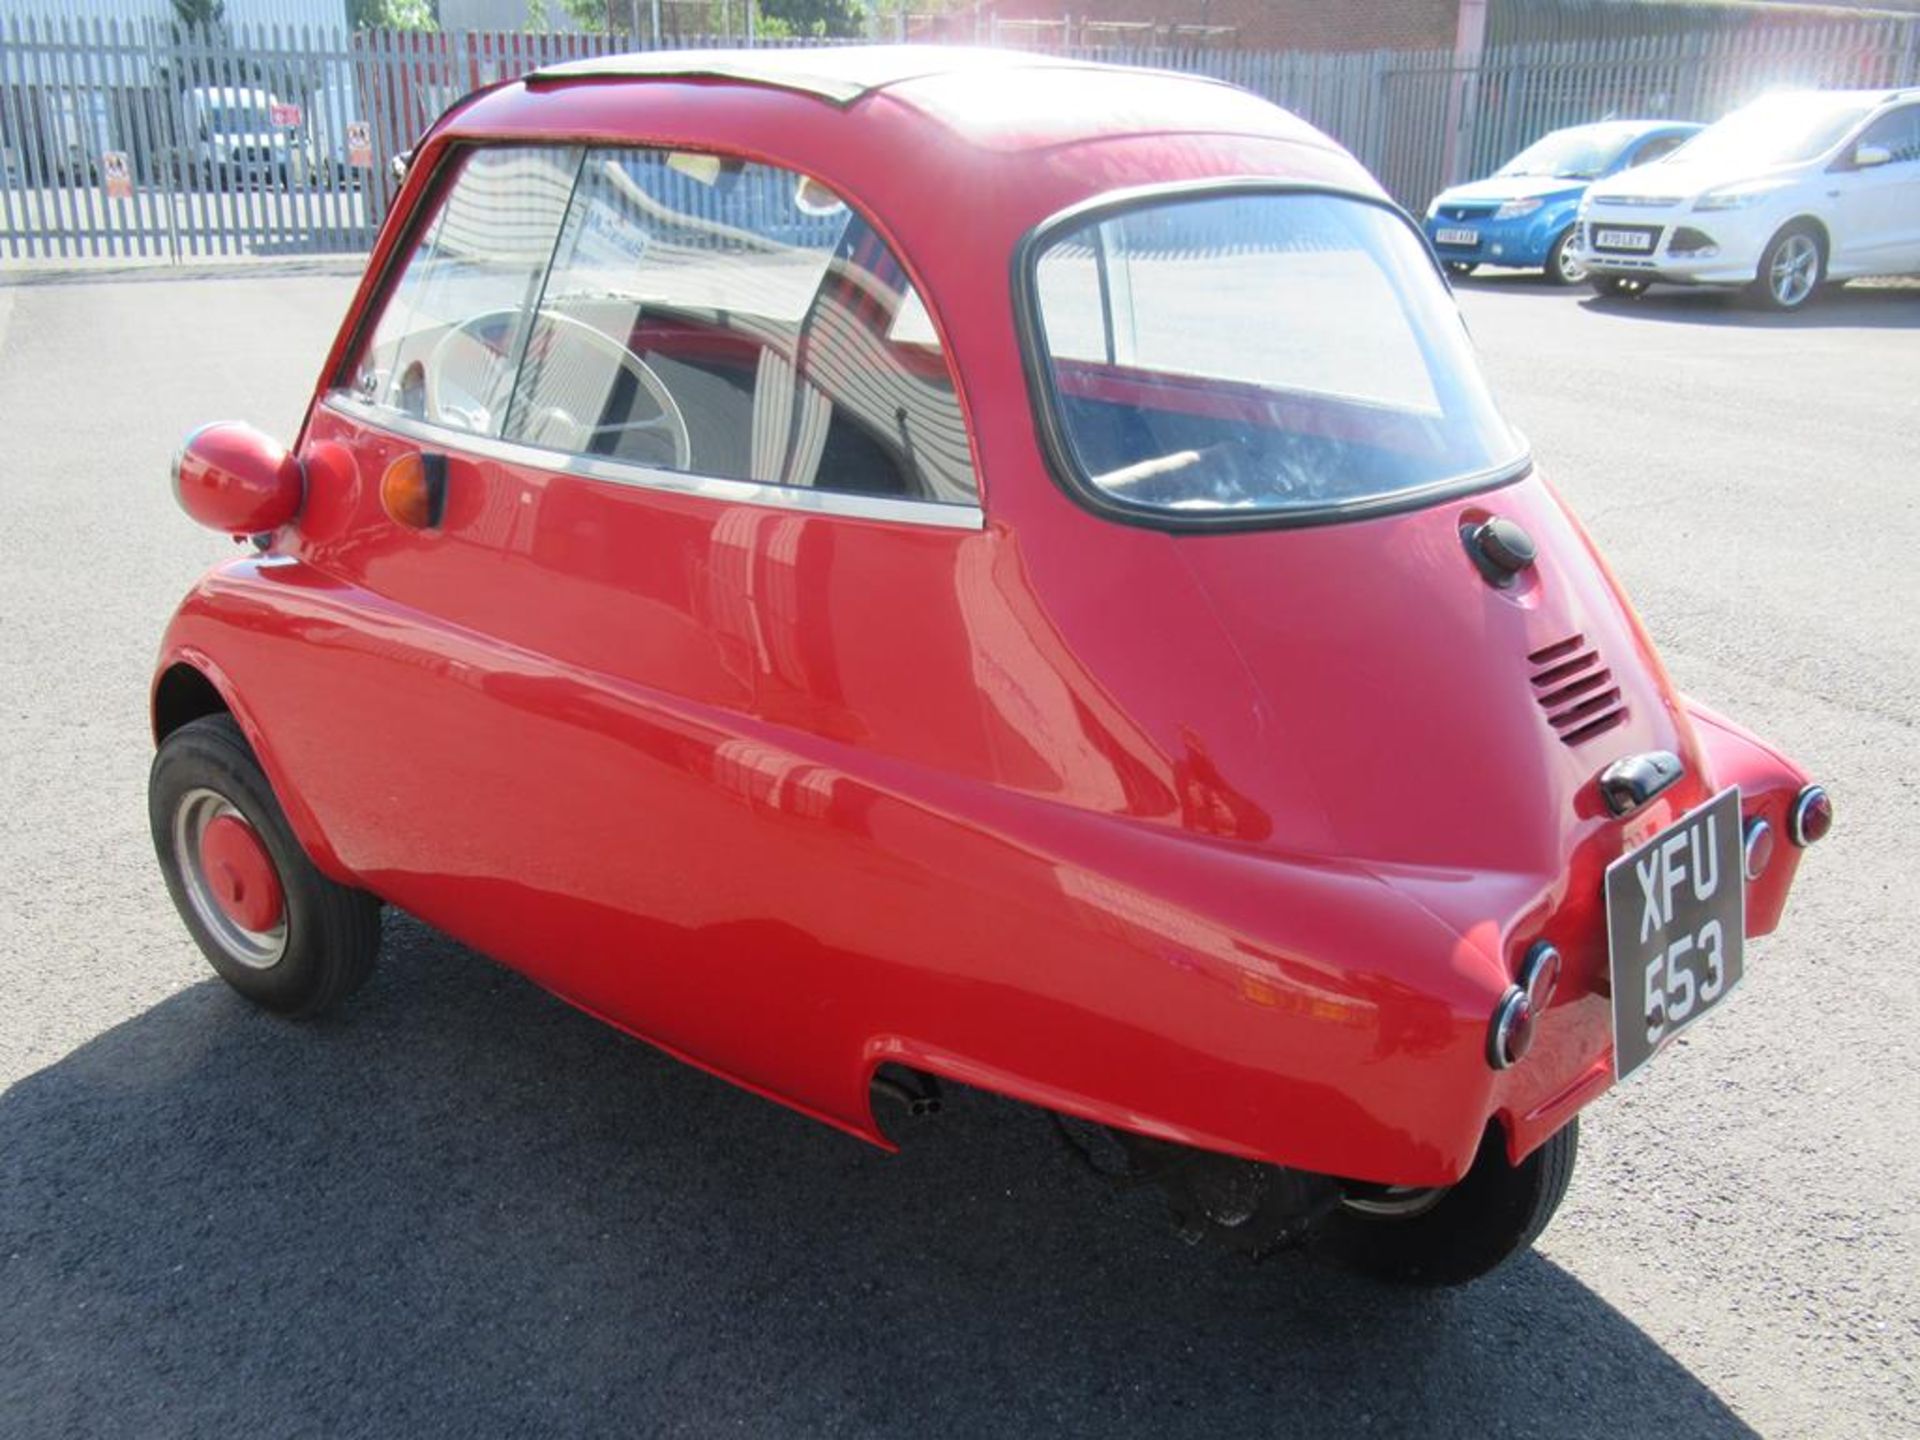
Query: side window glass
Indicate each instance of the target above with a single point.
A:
(736, 320)
(875, 404)
(1898, 132)
(450, 331)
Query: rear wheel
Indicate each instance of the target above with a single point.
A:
(1460, 269)
(272, 926)
(1564, 267)
(1792, 268)
(1457, 1233)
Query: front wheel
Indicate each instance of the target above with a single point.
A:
(1792, 269)
(276, 929)
(1564, 267)
(1460, 269)
(1451, 1235)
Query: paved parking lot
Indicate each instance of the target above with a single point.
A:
(461, 1208)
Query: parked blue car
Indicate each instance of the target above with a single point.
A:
(1522, 215)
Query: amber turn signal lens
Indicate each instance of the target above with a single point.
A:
(413, 490)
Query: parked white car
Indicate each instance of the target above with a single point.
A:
(232, 139)
(1788, 193)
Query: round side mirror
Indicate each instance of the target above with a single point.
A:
(234, 479)
(1866, 157)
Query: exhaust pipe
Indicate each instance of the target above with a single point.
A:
(916, 1091)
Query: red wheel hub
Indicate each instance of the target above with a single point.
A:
(240, 873)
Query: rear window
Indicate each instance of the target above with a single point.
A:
(1267, 356)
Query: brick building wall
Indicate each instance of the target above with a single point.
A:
(1265, 24)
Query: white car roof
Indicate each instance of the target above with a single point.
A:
(1864, 97)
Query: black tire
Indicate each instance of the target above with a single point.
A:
(1495, 1212)
(1460, 269)
(1562, 269)
(1617, 287)
(332, 933)
(1800, 250)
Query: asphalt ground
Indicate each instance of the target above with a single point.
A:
(460, 1208)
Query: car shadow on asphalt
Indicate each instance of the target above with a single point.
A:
(1850, 307)
(1512, 280)
(460, 1207)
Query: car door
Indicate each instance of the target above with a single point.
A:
(608, 715)
(1877, 206)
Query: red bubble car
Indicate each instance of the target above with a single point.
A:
(874, 567)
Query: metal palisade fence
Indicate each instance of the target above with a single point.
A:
(1435, 122)
(1423, 120)
(124, 139)
(137, 138)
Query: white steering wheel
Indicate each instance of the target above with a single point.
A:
(468, 382)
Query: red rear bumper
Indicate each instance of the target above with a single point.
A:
(1769, 785)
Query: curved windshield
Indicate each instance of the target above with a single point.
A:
(1779, 130)
(1253, 355)
(1583, 154)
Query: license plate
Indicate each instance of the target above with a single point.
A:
(1622, 240)
(1456, 237)
(1676, 929)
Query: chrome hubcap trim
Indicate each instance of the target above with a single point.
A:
(1396, 1202)
(256, 949)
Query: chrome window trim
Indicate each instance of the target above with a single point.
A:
(844, 504)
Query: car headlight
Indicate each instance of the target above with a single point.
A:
(1514, 209)
(1739, 197)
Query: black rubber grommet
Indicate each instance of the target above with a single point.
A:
(1507, 547)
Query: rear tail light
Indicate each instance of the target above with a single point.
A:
(1518, 1014)
(1756, 849)
(1811, 817)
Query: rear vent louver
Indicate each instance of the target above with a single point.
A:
(1575, 690)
